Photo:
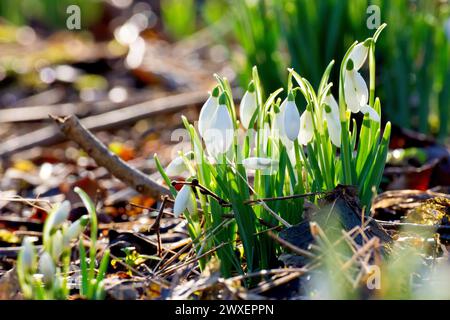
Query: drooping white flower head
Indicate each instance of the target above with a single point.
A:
(183, 201)
(219, 136)
(355, 88)
(177, 167)
(332, 117)
(57, 245)
(248, 106)
(278, 131)
(359, 55)
(291, 119)
(59, 215)
(356, 92)
(306, 127)
(47, 267)
(75, 229)
(28, 254)
(207, 112)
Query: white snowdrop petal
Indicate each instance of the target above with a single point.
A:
(60, 215)
(28, 253)
(75, 229)
(332, 103)
(219, 136)
(349, 93)
(361, 89)
(57, 245)
(355, 91)
(47, 267)
(206, 114)
(278, 131)
(181, 200)
(176, 167)
(334, 129)
(247, 108)
(359, 55)
(306, 128)
(291, 120)
(333, 120)
(372, 113)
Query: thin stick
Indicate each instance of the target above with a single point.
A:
(74, 130)
(155, 226)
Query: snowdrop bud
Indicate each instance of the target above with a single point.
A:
(47, 267)
(219, 136)
(58, 216)
(28, 254)
(306, 127)
(358, 55)
(355, 91)
(207, 112)
(182, 200)
(256, 163)
(372, 113)
(248, 106)
(75, 229)
(57, 245)
(333, 121)
(177, 167)
(291, 119)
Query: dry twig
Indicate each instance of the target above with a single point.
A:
(74, 130)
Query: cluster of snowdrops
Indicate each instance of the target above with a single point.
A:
(305, 143)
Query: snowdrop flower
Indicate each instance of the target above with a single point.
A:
(355, 89)
(257, 163)
(207, 112)
(28, 254)
(278, 131)
(75, 229)
(306, 127)
(183, 201)
(57, 245)
(47, 267)
(219, 136)
(58, 216)
(177, 167)
(248, 106)
(333, 121)
(291, 119)
(359, 55)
